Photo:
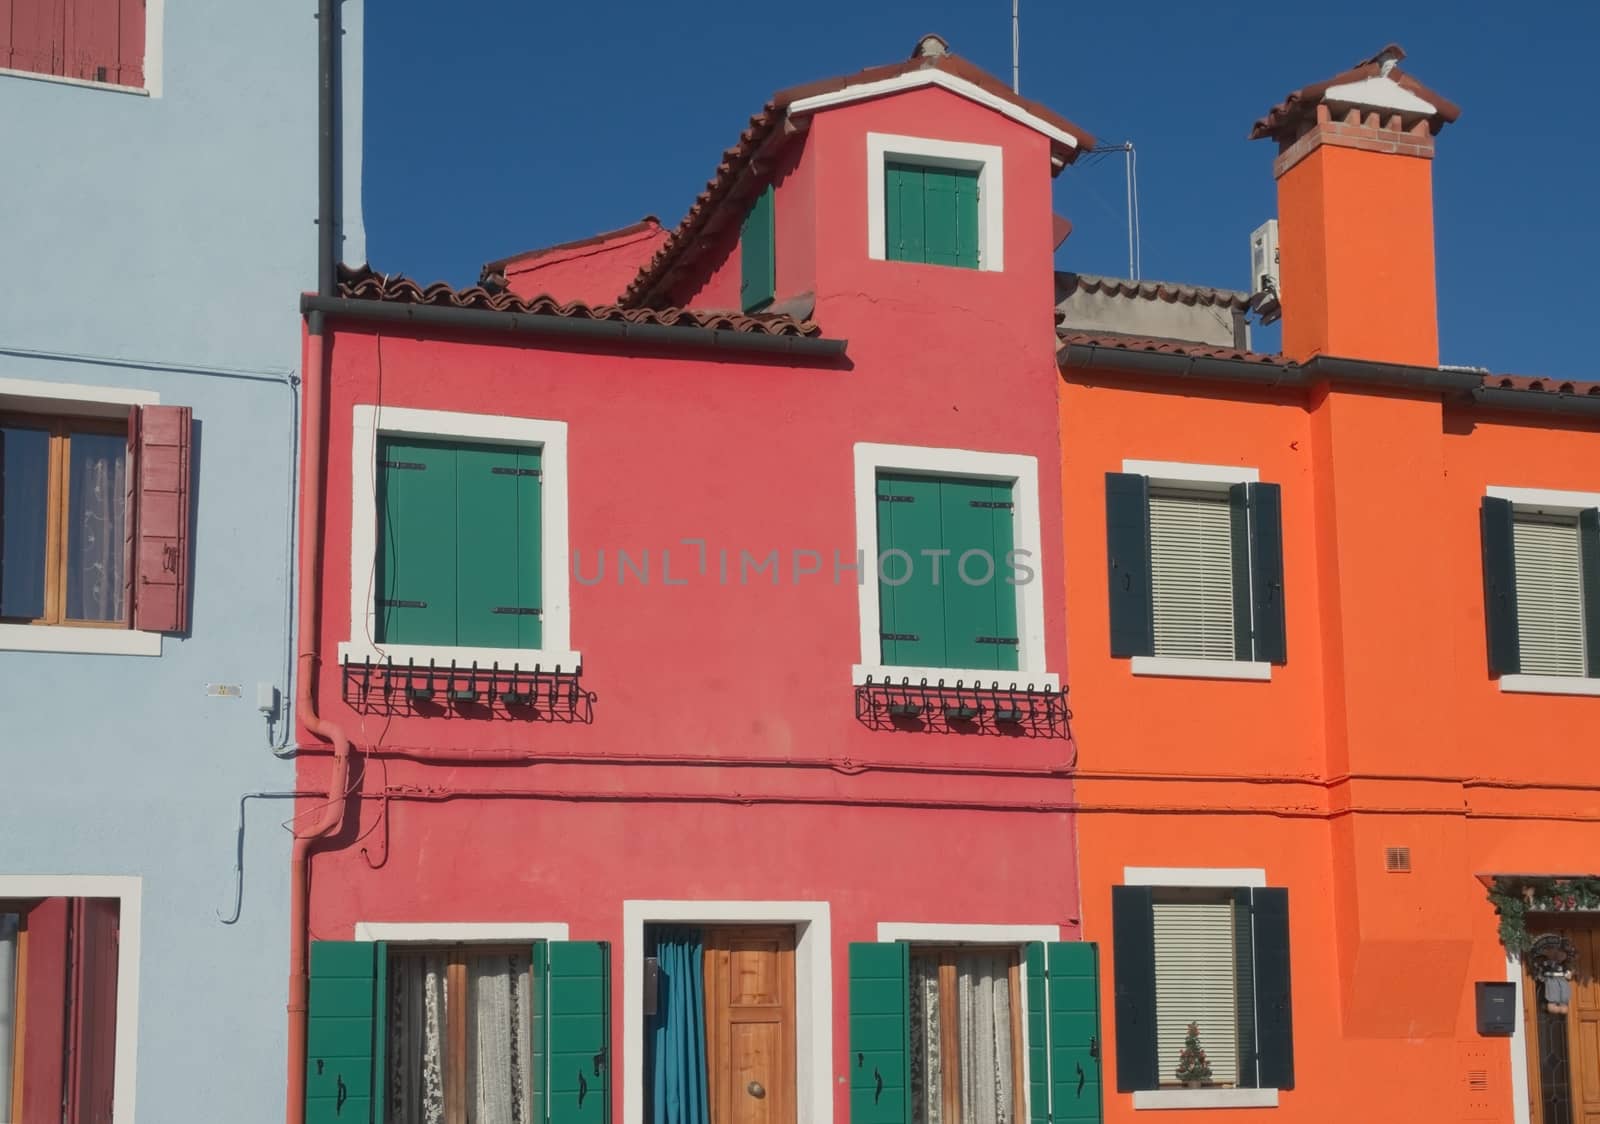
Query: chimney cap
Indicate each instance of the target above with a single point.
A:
(930, 46)
(1375, 83)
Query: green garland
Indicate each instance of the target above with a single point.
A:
(1514, 898)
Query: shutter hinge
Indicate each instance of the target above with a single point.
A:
(1007, 504)
(517, 611)
(896, 499)
(419, 466)
(502, 470)
(994, 640)
(390, 603)
(911, 636)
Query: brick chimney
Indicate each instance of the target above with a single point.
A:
(1355, 213)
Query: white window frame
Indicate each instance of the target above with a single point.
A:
(154, 24)
(128, 889)
(1022, 473)
(1218, 477)
(372, 422)
(453, 932)
(65, 399)
(985, 159)
(813, 991)
(1546, 501)
(1182, 878)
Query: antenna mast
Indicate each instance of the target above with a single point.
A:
(1016, 53)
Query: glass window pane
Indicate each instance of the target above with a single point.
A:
(96, 502)
(10, 926)
(24, 519)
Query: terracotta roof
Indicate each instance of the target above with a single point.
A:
(1537, 383)
(643, 226)
(1284, 119)
(766, 130)
(1185, 348)
(1151, 290)
(365, 283)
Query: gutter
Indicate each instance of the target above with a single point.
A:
(539, 326)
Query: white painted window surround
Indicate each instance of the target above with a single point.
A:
(154, 25)
(1519, 1046)
(1213, 878)
(129, 892)
(455, 932)
(985, 159)
(37, 396)
(1022, 473)
(813, 969)
(1547, 501)
(371, 422)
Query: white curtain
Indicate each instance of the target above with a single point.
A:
(417, 1020)
(983, 1034)
(97, 504)
(499, 1040)
(9, 986)
(927, 1069)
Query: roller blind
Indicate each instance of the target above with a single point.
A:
(1191, 561)
(1196, 983)
(1549, 596)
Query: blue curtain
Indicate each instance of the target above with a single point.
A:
(676, 1077)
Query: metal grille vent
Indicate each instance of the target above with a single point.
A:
(1478, 1080)
(1397, 860)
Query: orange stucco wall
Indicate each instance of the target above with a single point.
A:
(1383, 729)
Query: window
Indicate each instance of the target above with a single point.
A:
(1213, 956)
(460, 1033)
(757, 255)
(1196, 570)
(936, 202)
(974, 1034)
(458, 545)
(1541, 567)
(94, 515)
(88, 40)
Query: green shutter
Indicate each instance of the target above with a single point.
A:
(1038, 1034)
(1133, 950)
(1589, 562)
(1239, 539)
(1244, 987)
(578, 1032)
(757, 255)
(931, 215)
(1500, 587)
(1128, 564)
(498, 601)
(1074, 997)
(903, 213)
(911, 613)
(1266, 574)
(538, 1112)
(343, 1048)
(415, 580)
(1274, 1011)
(980, 620)
(880, 1033)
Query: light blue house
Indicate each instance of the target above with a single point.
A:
(158, 223)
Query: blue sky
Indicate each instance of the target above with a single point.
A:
(499, 125)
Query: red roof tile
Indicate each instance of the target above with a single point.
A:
(1151, 290)
(644, 226)
(1548, 386)
(365, 283)
(1284, 119)
(765, 129)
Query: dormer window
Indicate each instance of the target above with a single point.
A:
(758, 273)
(934, 202)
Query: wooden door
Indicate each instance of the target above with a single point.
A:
(1564, 1050)
(750, 1036)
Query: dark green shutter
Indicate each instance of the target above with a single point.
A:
(497, 533)
(1244, 987)
(980, 620)
(1500, 587)
(344, 1055)
(903, 213)
(1274, 1021)
(931, 215)
(1038, 1035)
(1074, 987)
(415, 582)
(910, 613)
(1239, 538)
(539, 1112)
(880, 1033)
(757, 255)
(578, 1032)
(1133, 949)
(1266, 599)
(1589, 547)
(1128, 564)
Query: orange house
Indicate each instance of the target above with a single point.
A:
(1334, 625)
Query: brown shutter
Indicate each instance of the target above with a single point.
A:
(160, 513)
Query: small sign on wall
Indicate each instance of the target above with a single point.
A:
(224, 690)
(1497, 1008)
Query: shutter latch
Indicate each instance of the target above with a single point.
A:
(419, 466)
(994, 639)
(1007, 504)
(504, 470)
(910, 637)
(517, 610)
(391, 603)
(897, 499)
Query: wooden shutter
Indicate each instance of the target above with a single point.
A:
(1074, 1031)
(1134, 969)
(343, 1058)
(159, 569)
(1196, 983)
(103, 40)
(980, 621)
(1191, 568)
(910, 613)
(92, 1004)
(33, 35)
(758, 276)
(1499, 586)
(498, 602)
(1239, 548)
(1244, 965)
(1267, 620)
(1274, 1012)
(1128, 564)
(880, 1033)
(1548, 573)
(1038, 1034)
(1589, 546)
(539, 977)
(931, 215)
(415, 579)
(903, 213)
(578, 1032)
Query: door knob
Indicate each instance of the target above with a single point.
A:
(755, 1089)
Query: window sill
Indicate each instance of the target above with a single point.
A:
(63, 80)
(1202, 669)
(1206, 1098)
(1008, 680)
(1549, 685)
(83, 641)
(441, 656)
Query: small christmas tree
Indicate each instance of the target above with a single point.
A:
(1192, 1065)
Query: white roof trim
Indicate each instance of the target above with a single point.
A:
(933, 77)
(1379, 92)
